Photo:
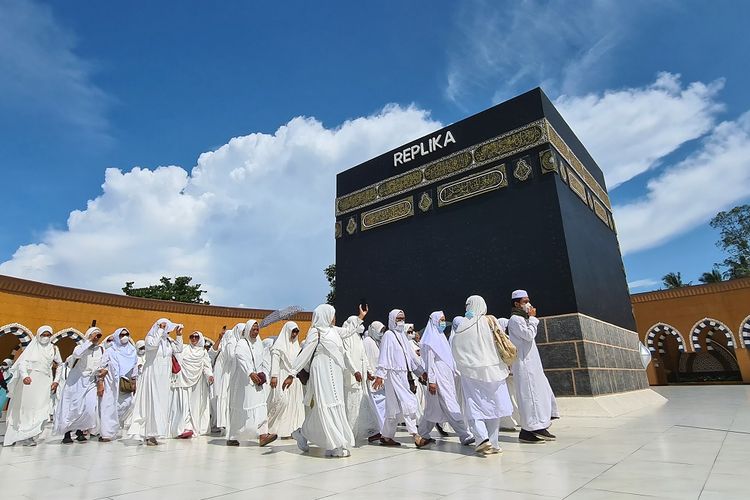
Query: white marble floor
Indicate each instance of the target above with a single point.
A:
(695, 446)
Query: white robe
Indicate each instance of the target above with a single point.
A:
(395, 353)
(286, 410)
(29, 405)
(127, 400)
(110, 403)
(536, 401)
(378, 397)
(248, 411)
(421, 389)
(189, 404)
(150, 416)
(360, 409)
(79, 406)
(325, 422)
(223, 369)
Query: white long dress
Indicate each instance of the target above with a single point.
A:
(325, 422)
(248, 411)
(189, 405)
(79, 406)
(28, 409)
(360, 409)
(286, 410)
(127, 400)
(150, 417)
(109, 404)
(223, 369)
(378, 397)
(536, 401)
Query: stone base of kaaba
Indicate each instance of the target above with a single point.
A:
(611, 405)
(583, 356)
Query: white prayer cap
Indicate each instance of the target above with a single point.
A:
(519, 294)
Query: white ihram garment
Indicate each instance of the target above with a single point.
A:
(189, 405)
(286, 410)
(248, 412)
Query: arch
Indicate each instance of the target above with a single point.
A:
(655, 338)
(710, 326)
(23, 334)
(69, 332)
(745, 333)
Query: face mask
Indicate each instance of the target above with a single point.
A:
(160, 331)
(123, 340)
(411, 335)
(527, 307)
(45, 340)
(469, 314)
(442, 326)
(141, 352)
(400, 326)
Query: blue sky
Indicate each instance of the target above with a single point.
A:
(656, 90)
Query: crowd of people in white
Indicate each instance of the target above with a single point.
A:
(343, 386)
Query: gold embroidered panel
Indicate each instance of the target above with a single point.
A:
(339, 230)
(354, 200)
(448, 166)
(507, 145)
(601, 212)
(390, 213)
(577, 186)
(401, 183)
(472, 185)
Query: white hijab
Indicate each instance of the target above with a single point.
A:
(322, 320)
(192, 361)
(393, 354)
(286, 348)
(375, 332)
(433, 339)
(473, 346)
(164, 339)
(35, 352)
(124, 354)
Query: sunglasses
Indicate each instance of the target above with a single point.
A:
(296, 330)
(195, 336)
(125, 334)
(98, 336)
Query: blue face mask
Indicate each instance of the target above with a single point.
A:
(469, 314)
(442, 325)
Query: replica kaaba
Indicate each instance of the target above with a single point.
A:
(508, 198)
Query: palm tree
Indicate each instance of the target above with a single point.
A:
(673, 280)
(713, 277)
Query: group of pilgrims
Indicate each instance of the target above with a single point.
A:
(341, 387)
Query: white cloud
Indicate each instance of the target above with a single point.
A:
(644, 283)
(252, 222)
(41, 73)
(715, 177)
(507, 47)
(628, 131)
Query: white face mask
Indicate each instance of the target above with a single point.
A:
(45, 340)
(160, 331)
(123, 340)
(411, 335)
(527, 307)
(141, 352)
(400, 325)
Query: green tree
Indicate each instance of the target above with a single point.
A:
(330, 273)
(714, 276)
(179, 291)
(673, 280)
(734, 231)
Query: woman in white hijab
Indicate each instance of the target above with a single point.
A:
(286, 412)
(371, 344)
(223, 352)
(189, 414)
(360, 409)
(120, 360)
(126, 417)
(29, 389)
(441, 403)
(248, 411)
(483, 376)
(396, 363)
(79, 407)
(323, 358)
(151, 406)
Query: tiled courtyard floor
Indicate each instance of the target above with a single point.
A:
(695, 446)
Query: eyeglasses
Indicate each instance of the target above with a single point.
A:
(195, 336)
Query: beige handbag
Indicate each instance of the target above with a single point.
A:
(505, 348)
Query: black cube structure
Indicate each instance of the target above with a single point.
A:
(505, 199)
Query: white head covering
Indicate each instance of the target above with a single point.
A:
(518, 294)
(245, 334)
(192, 360)
(108, 341)
(375, 332)
(7, 363)
(392, 319)
(473, 346)
(434, 340)
(287, 348)
(322, 318)
(36, 353)
(125, 354)
(139, 344)
(456, 324)
(476, 305)
(232, 336)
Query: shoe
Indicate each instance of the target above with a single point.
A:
(301, 441)
(493, 451)
(441, 431)
(338, 453)
(555, 418)
(185, 435)
(482, 446)
(388, 442)
(29, 442)
(544, 434)
(104, 440)
(468, 441)
(374, 437)
(422, 442)
(67, 439)
(529, 437)
(232, 442)
(266, 439)
(152, 442)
